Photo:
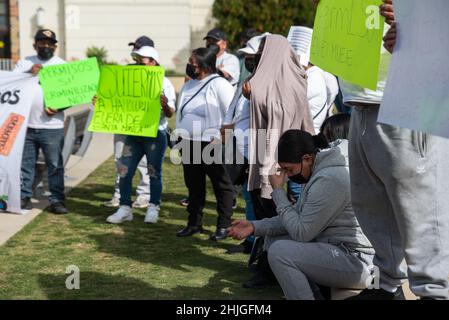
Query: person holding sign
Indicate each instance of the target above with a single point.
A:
(45, 128)
(398, 191)
(203, 103)
(152, 148)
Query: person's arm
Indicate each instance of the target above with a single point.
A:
(326, 198)
(168, 99)
(231, 69)
(241, 229)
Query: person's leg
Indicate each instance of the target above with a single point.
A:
(371, 201)
(195, 181)
(249, 210)
(263, 208)
(155, 151)
(417, 181)
(52, 142)
(29, 157)
(296, 264)
(119, 142)
(143, 188)
(132, 153)
(224, 193)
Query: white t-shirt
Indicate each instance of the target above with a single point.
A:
(204, 112)
(354, 93)
(317, 96)
(231, 65)
(170, 93)
(38, 117)
(239, 114)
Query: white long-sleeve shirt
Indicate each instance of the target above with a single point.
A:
(202, 118)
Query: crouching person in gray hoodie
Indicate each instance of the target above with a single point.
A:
(318, 241)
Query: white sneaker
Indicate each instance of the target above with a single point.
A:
(113, 203)
(124, 213)
(152, 214)
(141, 203)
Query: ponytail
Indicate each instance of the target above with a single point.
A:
(320, 141)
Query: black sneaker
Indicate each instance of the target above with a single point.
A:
(234, 204)
(379, 294)
(58, 208)
(244, 247)
(26, 204)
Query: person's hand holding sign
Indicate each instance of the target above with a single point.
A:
(167, 110)
(35, 69)
(51, 112)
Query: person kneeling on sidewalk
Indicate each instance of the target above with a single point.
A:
(318, 241)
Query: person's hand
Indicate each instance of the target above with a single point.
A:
(390, 38)
(226, 130)
(278, 179)
(94, 101)
(51, 112)
(36, 68)
(387, 10)
(241, 229)
(164, 101)
(246, 90)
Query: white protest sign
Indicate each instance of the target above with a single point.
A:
(16, 94)
(417, 92)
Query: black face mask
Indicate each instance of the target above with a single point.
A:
(190, 71)
(45, 53)
(299, 178)
(250, 64)
(214, 47)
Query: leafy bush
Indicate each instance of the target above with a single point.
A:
(100, 53)
(275, 16)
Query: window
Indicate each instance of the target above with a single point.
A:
(5, 30)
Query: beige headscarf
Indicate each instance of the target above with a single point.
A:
(278, 103)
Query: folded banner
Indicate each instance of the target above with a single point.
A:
(16, 94)
(346, 41)
(128, 100)
(69, 84)
(417, 92)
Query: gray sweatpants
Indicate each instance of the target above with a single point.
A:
(143, 188)
(400, 194)
(297, 264)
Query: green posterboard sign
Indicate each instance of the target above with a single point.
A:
(128, 100)
(347, 39)
(69, 84)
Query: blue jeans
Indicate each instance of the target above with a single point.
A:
(249, 212)
(51, 141)
(133, 151)
(294, 190)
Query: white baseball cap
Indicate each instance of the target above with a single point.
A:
(300, 39)
(253, 44)
(147, 52)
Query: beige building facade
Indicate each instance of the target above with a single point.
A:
(176, 26)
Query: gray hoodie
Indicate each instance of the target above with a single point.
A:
(324, 212)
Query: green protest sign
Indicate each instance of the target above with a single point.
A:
(69, 84)
(347, 39)
(128, 100)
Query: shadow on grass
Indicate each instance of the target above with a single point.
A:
(98, 286)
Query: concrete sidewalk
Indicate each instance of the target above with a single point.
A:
(77, 169)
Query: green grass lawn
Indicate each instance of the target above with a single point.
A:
(129, 261)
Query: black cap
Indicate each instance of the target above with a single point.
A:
(141, 42)
(216, 34)
(45, 34)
